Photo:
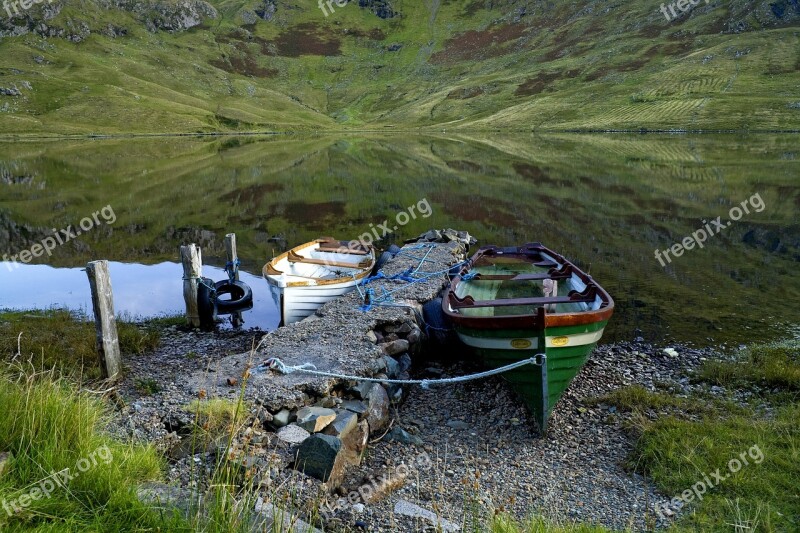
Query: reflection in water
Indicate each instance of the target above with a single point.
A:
(139, 291)
(606, 202)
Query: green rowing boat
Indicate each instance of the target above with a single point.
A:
(512, 304)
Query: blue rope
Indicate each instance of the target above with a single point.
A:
(408, 277)
(230, 268)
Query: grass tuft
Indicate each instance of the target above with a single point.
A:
(774, 365)
(58, 339)
(48, 427)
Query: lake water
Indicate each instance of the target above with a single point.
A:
(606, 201)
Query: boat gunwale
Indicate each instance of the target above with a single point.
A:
(541, 318)
(271, 273)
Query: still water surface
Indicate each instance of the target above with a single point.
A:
(607, 202)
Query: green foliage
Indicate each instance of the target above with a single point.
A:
(506, 524)
(762, 494)
(218, 416)
(59, 339)
(48, 426)
(774, 366)
(147, 387)
(459, 66)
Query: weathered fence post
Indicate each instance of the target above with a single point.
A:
(105, 321)
(233, 260)
(230, 251)
(192, 259)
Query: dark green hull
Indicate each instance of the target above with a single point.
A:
(539, 387)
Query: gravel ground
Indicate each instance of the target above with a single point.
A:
(576, 473)
(478, 449)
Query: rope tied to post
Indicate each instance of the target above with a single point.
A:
(231, 267)
(275, 364)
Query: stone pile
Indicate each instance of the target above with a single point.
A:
(326, 422)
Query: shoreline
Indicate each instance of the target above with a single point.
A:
(16, 137)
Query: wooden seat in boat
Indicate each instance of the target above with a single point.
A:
(294, 257)
(331, 245)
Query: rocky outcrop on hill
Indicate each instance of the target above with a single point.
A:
(46, 19)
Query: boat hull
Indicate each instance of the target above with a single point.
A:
(297, 303)
(539, 388)
(308, 276)
(515, 304)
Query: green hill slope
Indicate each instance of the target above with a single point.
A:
(186, 66)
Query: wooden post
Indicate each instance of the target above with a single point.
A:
(233, 259)
(230, 251)
(105, 321)
(192, 259)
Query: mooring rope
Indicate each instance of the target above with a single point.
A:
(274, 363)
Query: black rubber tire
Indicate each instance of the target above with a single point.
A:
(241, 296)
(382, 260)
(433, 315)
(207, 303)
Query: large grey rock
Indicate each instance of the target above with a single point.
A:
(414, 336)
(355, 443)
(405, 362)
(395, 347)
(355, 406)
(315, 419)
(362, 389)
(406, 508)
(377, 414)
(319, 457)
(293, 434)
(392, 367)
(344, 423)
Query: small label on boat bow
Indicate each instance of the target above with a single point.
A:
(521, 344)
(560, 341)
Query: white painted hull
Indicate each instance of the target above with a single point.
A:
(297, 303)
(309, 276)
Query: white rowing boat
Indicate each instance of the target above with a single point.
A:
(306, 277)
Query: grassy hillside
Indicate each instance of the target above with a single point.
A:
(184, 66)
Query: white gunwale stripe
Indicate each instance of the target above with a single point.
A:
(579, 339)
(497, 344)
